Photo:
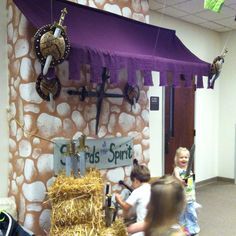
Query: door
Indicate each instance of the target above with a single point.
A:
(179, 122)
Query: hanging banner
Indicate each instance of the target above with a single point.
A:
(213, 5)
(102, 153)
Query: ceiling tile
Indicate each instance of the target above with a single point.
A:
(153, 5)
(229, 2)
(171, 2)
(229, 21)
(193, 11)
(211, 25)
(193, 19)
(171, 11)
(210, 15)
(191, 6)
(233, 6)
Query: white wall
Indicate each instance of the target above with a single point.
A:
(206, 45)
(156, 129)
(3, 101)
(227, 108)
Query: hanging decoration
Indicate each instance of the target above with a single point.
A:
(213, 5)
(51, 44)
(216, 67)
(46, 87)
(132, 93)
(52, 48)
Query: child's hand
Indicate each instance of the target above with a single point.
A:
(184, 182)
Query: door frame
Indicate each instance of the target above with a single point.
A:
(163, 130)
(193, 127)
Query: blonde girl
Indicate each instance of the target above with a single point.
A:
(189, 217)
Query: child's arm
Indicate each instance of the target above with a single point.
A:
(124, 205)
(137, 227)
(177, 175)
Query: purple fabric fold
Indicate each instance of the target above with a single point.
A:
(163, 78)
(188, 80)
(199, 81)
(176, 80)
(102, 39)
(147, 74)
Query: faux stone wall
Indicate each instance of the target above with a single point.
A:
(34, 123)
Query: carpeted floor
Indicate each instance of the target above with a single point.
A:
(217, 217)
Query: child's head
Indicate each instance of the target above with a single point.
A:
(182, 155)
(166, 203)
(140, 173)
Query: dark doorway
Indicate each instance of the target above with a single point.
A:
(179, 122)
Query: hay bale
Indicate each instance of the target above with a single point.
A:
(117, 229)
(65, 187)
(75, 230)
(77, 207)
(77, 201)
(77, 211)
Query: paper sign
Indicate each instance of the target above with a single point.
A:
(102, 154)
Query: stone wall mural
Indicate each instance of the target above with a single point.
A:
(34, 123)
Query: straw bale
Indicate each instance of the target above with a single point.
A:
(117, 229)
(78, 211)
(77, 207)
(66, 187)
(75, 230)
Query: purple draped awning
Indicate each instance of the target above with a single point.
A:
(103, 39)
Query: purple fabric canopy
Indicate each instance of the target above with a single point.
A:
(103, 39)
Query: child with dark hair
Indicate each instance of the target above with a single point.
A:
(139, 198)
(166, 204)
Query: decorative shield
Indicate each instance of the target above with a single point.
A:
(131, 93)
(46, 44)
(215, 70)
(45, 87)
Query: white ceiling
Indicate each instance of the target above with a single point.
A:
(193, 11)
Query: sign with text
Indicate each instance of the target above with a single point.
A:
(154, 103)
(102, 153)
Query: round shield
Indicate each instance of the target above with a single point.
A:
(132, 93)
(46, 44)
(45, 87)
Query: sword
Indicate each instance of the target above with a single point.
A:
(190, 162)
(82, 149)
(101, 93)
(121, 182)
(109, 209)
(56, 34)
